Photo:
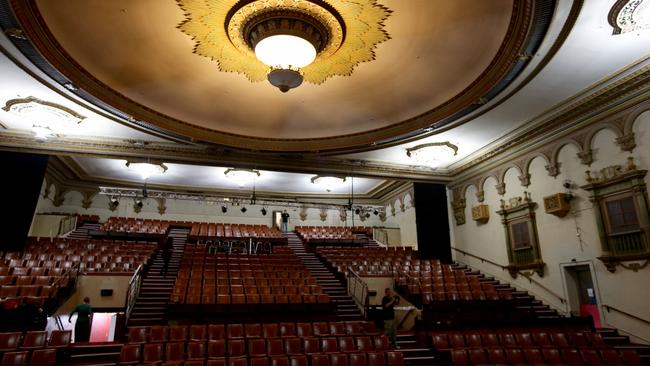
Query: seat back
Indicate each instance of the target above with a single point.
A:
(152, 353)
(320, 360)
(196, 350)
(298, 360)
(34, 339)
(459, 357)
(46, 357)
(217, 348)
(14, 358)
(198, 332)
(329, 345)
(235, 331)
(256, 347)
(216, 331)
(394, 358)
(137, 334)
(157, 333)
(60, 338)
(376, 359)
(338, 359)
(175, 351)
(236, 347)
(177, 333)
(130, 354)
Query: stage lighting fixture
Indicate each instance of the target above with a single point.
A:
(375, 212)
(263, 210)
(243, 209)
(224, 209)
(357, 211)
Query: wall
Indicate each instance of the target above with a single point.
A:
(200, 211)
(91, 285)
(566, 240)
(401, 214)
(46, 225)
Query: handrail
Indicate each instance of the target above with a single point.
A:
(610, 308)
(132, 292)
(503, 268)
(365, 298)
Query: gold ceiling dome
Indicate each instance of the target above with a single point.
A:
(286, 41)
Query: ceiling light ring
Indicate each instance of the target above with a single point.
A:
(448, 144)
(285, 22)
(19, 101)
(318, 11)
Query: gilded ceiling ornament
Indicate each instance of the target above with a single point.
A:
(354, 30)
(629, 15)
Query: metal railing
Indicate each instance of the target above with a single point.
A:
(67, 224)
(132, 292)
(610, 308)
(359, 291)
(503, 268)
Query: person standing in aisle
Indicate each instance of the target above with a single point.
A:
(285, 221)
(388, 303)
(166, 254)
(84, 321)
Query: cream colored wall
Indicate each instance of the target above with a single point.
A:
(91, 285)
(46, 225)
(185, 210)
(404, 219)
(563, 241)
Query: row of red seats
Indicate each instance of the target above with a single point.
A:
(222, 299)
(204, 231)
(254, 281)
(247, 290)
(438, 296)
(27, 280)
(36, 295)
(175, 355)
(280, 346)
(37, 357)
(201, 332)
(544, 356)
(236, 277)
(517, 339)
(12, 341)
(132, 225)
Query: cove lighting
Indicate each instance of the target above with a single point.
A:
(432, 154)
(329, 183)
(241, 177)
(146, 170)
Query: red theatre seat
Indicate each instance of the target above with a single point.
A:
(14, 359)
(130, 354)
(397, 358)
(44, 357)
(34, 340)
(9, 341)
(60, 339)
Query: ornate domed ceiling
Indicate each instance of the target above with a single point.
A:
(423, 62)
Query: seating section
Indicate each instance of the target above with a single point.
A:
(135, 225)
(334, 235)
(279, 278)
(211, 231)
(354, 343)
(424, 281)
(530, 346)
(33, 347)
(92, 255)
(199, 231)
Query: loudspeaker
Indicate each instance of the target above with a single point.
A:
(106, 292)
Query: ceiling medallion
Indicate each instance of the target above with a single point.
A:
(45, 119)
(286, 41)
(629, 15)
(432, 154)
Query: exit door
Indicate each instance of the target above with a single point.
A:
(582, 292)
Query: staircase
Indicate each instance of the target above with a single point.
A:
(346, 309)
(417, 352)
(372, 243)
(151, 305)
(621, 342)
(81, 232)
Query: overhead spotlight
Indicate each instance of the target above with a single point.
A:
(139, 203)
(263, 210)
(243, 209)
(367, 215)
(224, 209)
(375, 212)
(357, 211)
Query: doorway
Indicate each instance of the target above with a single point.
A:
(277, 219)
(581, 292)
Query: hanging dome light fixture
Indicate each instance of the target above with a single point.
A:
(285, 40)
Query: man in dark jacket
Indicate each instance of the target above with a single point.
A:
(388, 303)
